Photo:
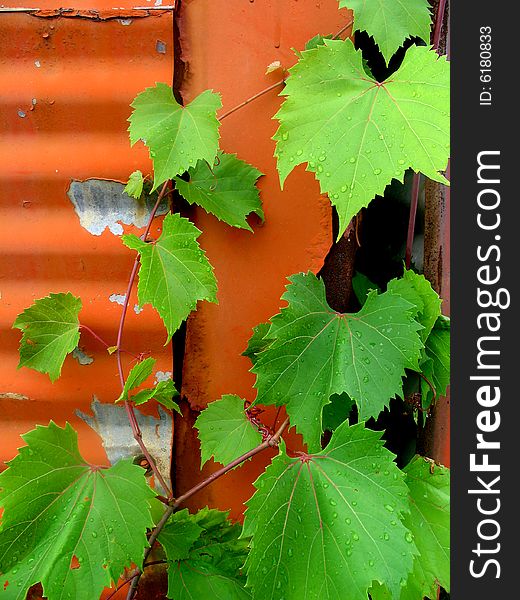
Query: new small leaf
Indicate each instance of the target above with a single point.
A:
(225, 433)
(50, 331)
(227, 190)
(163, 392)
(177, 136)
(175, 273)
(134, 187)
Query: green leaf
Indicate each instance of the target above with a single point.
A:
(361, 285)
(365, 133)
(226, 190)
(177, 136)
(337, 411)
(58, 509)
(318, 352)
(163, 392)
(175, 273)
(436, 363)
(225, 433)
(179, 535)
(391, 22)
(429, 522)
(257, 342)
(418, 290)
(137, 376)
(205, 555)
(134, 187)
(50, 331)
(327, 525)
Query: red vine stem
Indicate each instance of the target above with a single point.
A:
(274, 85)
(136, 431)
(414, 201)
(270, 442)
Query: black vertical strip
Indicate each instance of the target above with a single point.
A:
(484, 280)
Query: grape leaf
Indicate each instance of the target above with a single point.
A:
(365, 133)
(257, 342)
(227, 190)
(418, 290)
(137, 376)
(206, 562)
(391, 22)
(436, 363)
(429, 522)
(134, 187)
(337, 411)
(163, 392)
(50, 331)
(176, 136)
(174, 273)
(327, 525)
(318, 352)
(361, 285)
(225, 431)
(69, 525)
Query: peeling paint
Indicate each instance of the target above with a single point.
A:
(160, 47)
(163, 376)
(12, 396)
(101, 204)
(94, 14)
(82, 357)
(117, 298)
(138, 309)
(110, 422)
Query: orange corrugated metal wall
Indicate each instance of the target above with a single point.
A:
(68, 78)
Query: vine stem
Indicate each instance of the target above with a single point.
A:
(414, 201)
(270, 442)
(136, 430)
(277, 84)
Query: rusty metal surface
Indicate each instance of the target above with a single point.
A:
(227, 45)
(66, 86)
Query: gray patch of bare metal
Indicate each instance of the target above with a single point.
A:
(110, 422)
(101, 204)
(82, 357)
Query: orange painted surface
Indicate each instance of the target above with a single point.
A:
(227, 45)
(83, 74)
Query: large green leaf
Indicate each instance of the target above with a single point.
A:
(69, 525)
(175, 273)
(226, 190)
(325, 526)
(418, 290)
(257, 342)
(391, 22)
(365, 133)
(177, 136)
(50, 331)
(429, 521)
(225, 432)
(204, 555)
(318, 352)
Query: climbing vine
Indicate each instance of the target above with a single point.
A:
(339, 520)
